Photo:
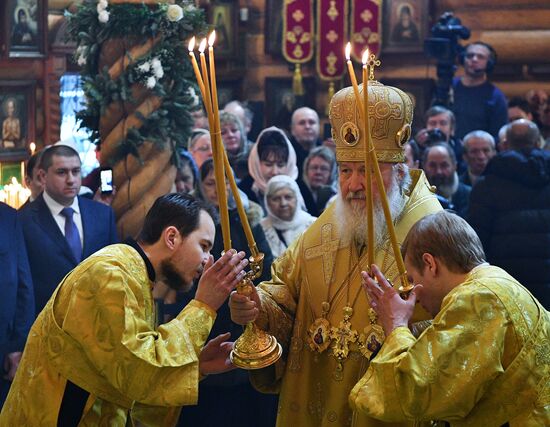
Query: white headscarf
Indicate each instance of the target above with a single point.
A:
(290, 169)
(272, 224)
(300, 215)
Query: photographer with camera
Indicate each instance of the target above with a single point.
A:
(478, 104)
(440, 127)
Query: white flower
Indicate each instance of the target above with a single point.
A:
(189, 7)
(155, 63)
(193, 95)
(174, 13)
(103, 16)
(145, 67)
(158, 72)
(101, 6)
(81, 60)
(151, 82)
(157, 68)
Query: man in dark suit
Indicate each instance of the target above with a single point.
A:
(60, 228)
(510, 211)
(304, 130)
(17, 302)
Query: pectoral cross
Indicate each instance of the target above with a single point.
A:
(343, 336)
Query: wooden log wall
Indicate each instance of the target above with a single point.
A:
(519, 30)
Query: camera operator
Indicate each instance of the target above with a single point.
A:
(478, 104)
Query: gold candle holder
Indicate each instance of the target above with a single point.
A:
(254, 349)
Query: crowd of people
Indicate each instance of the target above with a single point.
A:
(97, 355)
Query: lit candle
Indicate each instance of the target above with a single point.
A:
(368, 169)
(200, 82)
(353, 79)
(406, 286)
(32, 147)
(23, 171)
(206, 82)
(217, 145)
(191, 47)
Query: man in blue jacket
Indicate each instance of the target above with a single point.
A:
(17, 302)
(60, 228)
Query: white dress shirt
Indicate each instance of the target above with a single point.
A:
(56, 208)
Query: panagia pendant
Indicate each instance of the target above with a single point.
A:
(319, 335)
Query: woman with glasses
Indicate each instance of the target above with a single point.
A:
(235, 143)
(200, 146)
(319, 179)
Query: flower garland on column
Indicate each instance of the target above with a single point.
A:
(140, 90)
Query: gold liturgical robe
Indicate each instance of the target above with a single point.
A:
(314, 387)
(98, 331)
(485, 361)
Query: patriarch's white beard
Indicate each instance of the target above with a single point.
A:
(352, 217)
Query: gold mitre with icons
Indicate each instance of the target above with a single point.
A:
(390, 117)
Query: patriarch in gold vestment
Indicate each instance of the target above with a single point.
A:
(314, 303)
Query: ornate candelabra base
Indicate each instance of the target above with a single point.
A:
(255, 349)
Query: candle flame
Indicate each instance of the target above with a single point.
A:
(202, 46)
(191, 45)
(348, 51)
(212, 38)
(32, 146)
(365, 56)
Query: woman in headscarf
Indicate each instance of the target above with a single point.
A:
(186, 176)
(271, 155)
(286, 216)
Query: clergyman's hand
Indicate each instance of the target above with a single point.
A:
(244, 308)
(214, 357)
(392, 310)
(220, 278)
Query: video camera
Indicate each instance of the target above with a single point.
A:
(443, 43)
(444, 47)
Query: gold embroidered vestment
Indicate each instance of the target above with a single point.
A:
(314, 391)
(98, 331)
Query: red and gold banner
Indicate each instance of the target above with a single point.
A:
(332, 18)
(365, 27)
(298, 30)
